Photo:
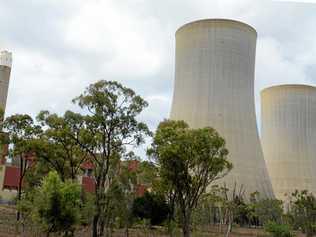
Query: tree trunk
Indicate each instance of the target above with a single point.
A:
(20, 186)
(95, 225)
(230, 224)
(228, 230)
(96, 230)
(18, 214)
(186, 224)
(186, 230)
(23, 230)
(126, 231)
(171, 227)
(102, 225)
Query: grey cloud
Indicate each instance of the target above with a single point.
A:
(59, 47)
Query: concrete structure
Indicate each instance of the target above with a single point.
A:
(214, 86)
(6, 173)
(5, 71)
(289, 137)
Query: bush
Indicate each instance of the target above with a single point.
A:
(278, 230)
(303, 212)
(152, 207)
(54, 206)
(269, 210)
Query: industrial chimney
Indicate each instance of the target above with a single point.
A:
(5, 71)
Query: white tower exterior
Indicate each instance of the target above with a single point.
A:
(214, 86)
(288, 114)
(5, 71)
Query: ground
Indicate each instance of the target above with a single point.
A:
(8, 229)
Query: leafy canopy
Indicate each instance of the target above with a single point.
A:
(109, 124)
(56, 204)
(189, 161)
(303, 211)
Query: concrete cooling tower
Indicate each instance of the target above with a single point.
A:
(5, 71)
(214, 86)
(289, 137)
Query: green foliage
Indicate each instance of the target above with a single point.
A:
(108, 126)
(55, 205)
(147, 173)
(18, 130)
(278, 230)
(206, 212)
(269, 210)
(101, 133)
(122, 191)
(151, 206)
(120, 197)
(87, 208)
(56, 148)
(241, 215)
(303, 212)
(189, 161)
(38, 171)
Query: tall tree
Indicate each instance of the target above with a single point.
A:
(20, 131)
(123, 188)
(108, 126)
(190, 160)
(56, 148)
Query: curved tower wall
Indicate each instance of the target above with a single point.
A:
(288, 114)
(214, 86)
(5, 71)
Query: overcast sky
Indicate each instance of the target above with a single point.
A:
(61, 46)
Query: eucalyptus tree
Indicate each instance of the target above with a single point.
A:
(189, 161)
(19, 131)
(108, 124)
(56, 148)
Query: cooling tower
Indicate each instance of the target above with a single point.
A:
(289, 137)
(5, 71)
(214, 86)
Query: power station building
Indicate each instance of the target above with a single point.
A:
(288, 114)
(214, 86)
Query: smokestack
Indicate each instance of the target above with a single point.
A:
(5, 71)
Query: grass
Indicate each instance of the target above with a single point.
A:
(8, 228)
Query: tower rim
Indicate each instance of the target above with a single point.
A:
(219, 20)
(291, 85)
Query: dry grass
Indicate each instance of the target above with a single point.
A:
(8, 228)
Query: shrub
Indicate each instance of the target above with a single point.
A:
(269, 210)
(303, 212)
(54, 206)
(278, 230)
(152, 207)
